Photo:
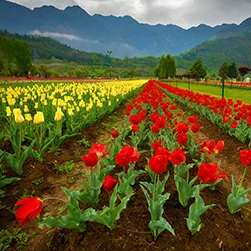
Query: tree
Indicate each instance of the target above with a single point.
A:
(166, 67)
(198, 69)
(243, 70)
(223, 73)
(15, 56)
(232, 71)
(224, 70)
(162, 67)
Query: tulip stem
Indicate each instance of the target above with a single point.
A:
(54, 198)
(91, 178)
(243, 176)
(19, 143)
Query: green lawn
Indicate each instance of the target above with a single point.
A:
(234, 93)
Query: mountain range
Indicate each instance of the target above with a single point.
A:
(124, 36)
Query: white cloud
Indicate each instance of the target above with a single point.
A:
(56, 35)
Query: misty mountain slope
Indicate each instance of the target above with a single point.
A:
(212, 53)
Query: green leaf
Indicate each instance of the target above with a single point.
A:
(158, 226)
(150, 172)
(26, 153)
(149, 201)
(65, 222)
(237, 198)
(158, 205)
(13, 163)
(160, 186)
(185, 191)
(149, 186)
(132, 175)
(7, 181)
(235, 204)
(195, 211)
(106, 170)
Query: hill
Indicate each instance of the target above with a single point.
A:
(212, 53)
(50, 49)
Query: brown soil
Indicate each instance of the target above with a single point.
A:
(221, 231)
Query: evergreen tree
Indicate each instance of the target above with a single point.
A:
(224, 70)
(166, 67)
(232, 71)
(198, 69)
(173, 68)
(162, 67)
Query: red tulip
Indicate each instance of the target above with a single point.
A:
(195, 128)
(181, 127)
(225, 119)
(126, 155)
(210, 146)
(245, 157)
(115, 134)
(155, 128)
(99, 149)
(234, 124)
(91, 159)
(160, 122)
(134, 128)
(249, 122)
(177, 156)
(134, 119)
(142, 114)
(207, 173)
(28, 210)
(154, 116)
(162, 151)
(158, 163)
(192, 119)
(182, 138)
(109, 183)
(156, 145)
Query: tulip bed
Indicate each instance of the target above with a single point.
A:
(158, 184)
(38, 118)
(233, 117)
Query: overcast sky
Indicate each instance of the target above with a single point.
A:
(184, 13)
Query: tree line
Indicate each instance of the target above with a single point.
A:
(15, 57)
(166, 68)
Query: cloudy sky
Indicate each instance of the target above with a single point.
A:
(184, 13)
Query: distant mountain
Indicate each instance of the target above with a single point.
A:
(234, 29)
(212, 53)
(124, 36)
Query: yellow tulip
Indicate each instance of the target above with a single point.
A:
(70, 112)
(18, 115)
(8, 111)
(38, 118)
(11, 101)
(28, 117)
(59, 114)
(26, 109)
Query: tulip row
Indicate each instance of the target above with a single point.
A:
(153, 125)
(233, 117)
(40, 117)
